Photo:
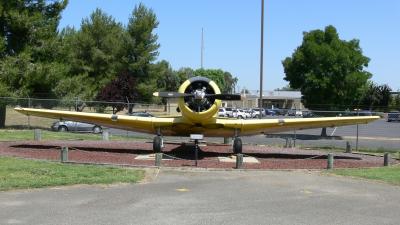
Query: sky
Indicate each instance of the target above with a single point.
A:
(232, 32)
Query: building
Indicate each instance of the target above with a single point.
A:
(271, 99)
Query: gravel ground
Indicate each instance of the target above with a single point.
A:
(125, 152)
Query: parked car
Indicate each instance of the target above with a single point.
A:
(255, 112)
(294, 112)
(229, 112)
(308, 114)
(279, 112)
(393, 116)
(239, 113)
(363, 113)
(141, 114)
(73, 126)
(222, 112)
(270, 112)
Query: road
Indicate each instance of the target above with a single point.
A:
(203, 197)
(377, 134)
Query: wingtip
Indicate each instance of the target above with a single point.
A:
(18, 108)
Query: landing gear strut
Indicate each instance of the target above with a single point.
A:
(237, 145)
(157, 144)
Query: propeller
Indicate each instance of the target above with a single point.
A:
(167, 94)
(226, 97)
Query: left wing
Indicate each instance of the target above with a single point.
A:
(133, 123)
(257, 126)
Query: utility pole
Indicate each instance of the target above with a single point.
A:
(202, 48)
(261, 57)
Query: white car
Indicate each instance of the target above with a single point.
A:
(254, 113)
(222, 112)
(239, 113)
(229, 112)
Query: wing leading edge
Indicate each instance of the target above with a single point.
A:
(251, 127)
(133, 123)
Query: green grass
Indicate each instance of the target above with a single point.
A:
(20, 135)
(22, 174)
(386, 174)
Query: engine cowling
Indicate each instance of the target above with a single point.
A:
(199, 106)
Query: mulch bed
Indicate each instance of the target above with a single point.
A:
(125, 152)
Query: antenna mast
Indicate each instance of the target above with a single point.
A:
(202, 48)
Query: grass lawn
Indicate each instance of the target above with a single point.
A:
(386, 174)
(22, 173)
(394, 153)
(21, 135)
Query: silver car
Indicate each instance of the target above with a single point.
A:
(73, 126)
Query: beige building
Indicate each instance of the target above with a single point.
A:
(271, 99)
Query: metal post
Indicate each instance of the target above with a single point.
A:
(37, 135)
(202, 48)
(196, 151)
(386, 159)
(158, 159)
(106, 135)
(294, 140)
(358, 113)
(64, 154)
(239, 161)
(261, 57)
(348, 147)
(330, 161)
(29, 117)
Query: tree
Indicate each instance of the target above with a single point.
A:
(121, 89)
(224, 80)
(286, 88)
(376, 97)
(93, 53)
(328, 71)
(395, 102)
(142, 44)
(185, 73)
(29, 24)
(230, 83)
(28, 45)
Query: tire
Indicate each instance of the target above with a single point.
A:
(237, 146)
(62, 129)
(157, 142)
(97, 130)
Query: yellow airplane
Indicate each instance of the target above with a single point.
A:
(199, 101)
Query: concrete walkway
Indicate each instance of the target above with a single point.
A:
(204, 197)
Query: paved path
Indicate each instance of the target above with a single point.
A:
(229, 197)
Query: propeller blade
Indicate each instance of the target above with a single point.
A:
(166, 94)
(226, 97)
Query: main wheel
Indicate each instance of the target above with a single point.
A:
(97, 130)
(157, 143)
(62, 128)
(237, 145)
